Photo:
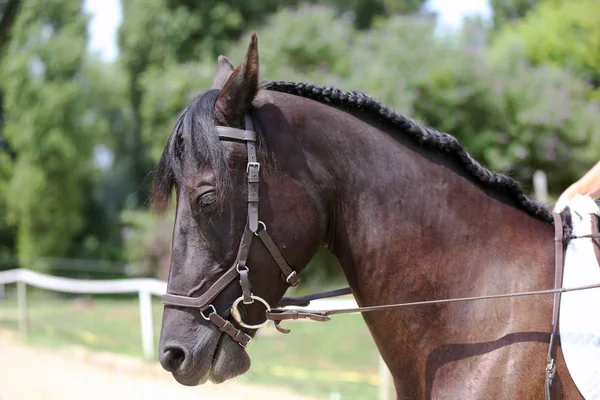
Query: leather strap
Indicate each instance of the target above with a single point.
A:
(288, 274)
(244, 249)
(279, 314)
(226, 132)
(305, 300)
(246, 286)
(252, 170)
(558, 277)
(227, 327)
(283, 315)
(202, 302)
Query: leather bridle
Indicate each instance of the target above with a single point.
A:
(254, 227)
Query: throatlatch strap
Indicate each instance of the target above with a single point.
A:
(288, 274)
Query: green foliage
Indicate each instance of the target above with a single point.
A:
(563, 33)
(7, 230)
(148, 242)
(307, 43)
(366, 12)
(522, 104)
(166, 92)
(495, 109)
(158, 35)
(45, 128)
(505, 11)
(8, 13)
(491, 103)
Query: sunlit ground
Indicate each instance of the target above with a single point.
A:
(315, 359)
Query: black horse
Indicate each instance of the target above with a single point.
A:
(407, 212)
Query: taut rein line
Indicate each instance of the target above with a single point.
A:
(255, 227)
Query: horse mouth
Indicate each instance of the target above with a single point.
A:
(227, 360)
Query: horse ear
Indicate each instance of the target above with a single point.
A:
(224, 70)
(238, 92)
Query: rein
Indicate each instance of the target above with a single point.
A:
(281, 314)
(255, 227)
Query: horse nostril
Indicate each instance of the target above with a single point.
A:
(173, 357)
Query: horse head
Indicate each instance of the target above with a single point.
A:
(247, 221)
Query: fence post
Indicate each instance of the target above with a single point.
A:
(22, 302)
(385, 381)
(147, 324)
(540, 185)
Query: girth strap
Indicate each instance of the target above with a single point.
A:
(558, 278)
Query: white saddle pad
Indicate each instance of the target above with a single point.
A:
(579, 321)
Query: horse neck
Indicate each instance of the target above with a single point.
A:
(397, 210)
(408, 224)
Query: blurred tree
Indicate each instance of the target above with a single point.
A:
(566, 34)
(46, 126)
(513, 117)
(505, 11)
(158, 35)
(148, 242)
(364, 12)
(8, 13)
(7, 229)
(167, 90)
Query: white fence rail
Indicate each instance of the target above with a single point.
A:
(145, 287)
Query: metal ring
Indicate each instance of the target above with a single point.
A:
(264, 228)
(235, 313)
(238, 269)
(214, 311)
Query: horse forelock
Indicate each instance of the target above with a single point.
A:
(193, 144)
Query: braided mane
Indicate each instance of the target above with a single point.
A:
(424, 136)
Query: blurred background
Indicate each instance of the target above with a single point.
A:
(89, 92)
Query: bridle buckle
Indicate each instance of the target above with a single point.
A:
(292, 278)
(213, 311)
(551, 368)
(252, 164)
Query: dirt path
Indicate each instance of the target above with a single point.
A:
(33, 373)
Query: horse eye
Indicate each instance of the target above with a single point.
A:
(206, 200)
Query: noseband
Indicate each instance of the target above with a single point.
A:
(254, 227)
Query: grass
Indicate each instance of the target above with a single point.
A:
(315, 359)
